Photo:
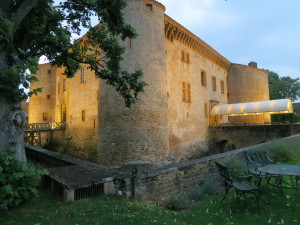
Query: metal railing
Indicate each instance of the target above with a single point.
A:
(46, 126)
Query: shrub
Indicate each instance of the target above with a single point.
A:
(178, 202)
(17, 180)
(205, 188)
(281, 152)
(237, 167)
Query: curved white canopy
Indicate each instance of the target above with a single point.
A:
(272, 106)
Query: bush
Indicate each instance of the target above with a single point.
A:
(281, 152)
(17, 180)
(237, 167)
(177, 202)
(205, 188)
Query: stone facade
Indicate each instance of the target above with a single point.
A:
(252, 87)
(185, 76)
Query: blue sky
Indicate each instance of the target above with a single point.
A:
(265, 31)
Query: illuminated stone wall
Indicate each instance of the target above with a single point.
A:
(42, 106)
(188, 122)
(139, 132)
(247, 84)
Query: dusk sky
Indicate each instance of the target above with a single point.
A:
(265, 31)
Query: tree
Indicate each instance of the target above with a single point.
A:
(30, 29)
(283, 87)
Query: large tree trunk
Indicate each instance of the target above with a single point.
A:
(12, 127)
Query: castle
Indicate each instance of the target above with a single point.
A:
(186, 78)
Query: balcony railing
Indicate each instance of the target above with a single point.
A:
(46, 126)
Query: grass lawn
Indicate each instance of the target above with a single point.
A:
(47, 209)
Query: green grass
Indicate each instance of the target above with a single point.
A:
(46, 210)
(49, 210)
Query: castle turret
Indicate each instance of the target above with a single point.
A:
(247, 84)
(139, 132)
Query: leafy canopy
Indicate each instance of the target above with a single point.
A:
(283, 87)
(30, 29)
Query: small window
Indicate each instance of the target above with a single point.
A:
(182, 56)
(203, 78)
(214, 83)
(149, 7)
(49, 71)
(94, 124)
(64, 85)
(186, 92)
(130, 43)
(222, 87)
(185, 57)
(83, 77)
(45, 116)
(183, 91)
(205, 110)
(83, 115)
(48, 96)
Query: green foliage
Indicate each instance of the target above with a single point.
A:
(17, 180)
(178, 202)
(283, 151)
(206, 187)
(236, 167)
(283, 87)
(45, 29)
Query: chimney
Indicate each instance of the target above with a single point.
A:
(252, 64)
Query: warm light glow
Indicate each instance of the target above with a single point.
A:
(254, 108)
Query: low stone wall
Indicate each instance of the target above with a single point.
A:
(155, 184)
(243, 136)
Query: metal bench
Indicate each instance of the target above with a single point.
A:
(259, 158)
(240, 185)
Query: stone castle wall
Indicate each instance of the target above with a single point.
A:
(247, 84)
(42, 106)
(139, 132)
(83, 96)
(188, 121)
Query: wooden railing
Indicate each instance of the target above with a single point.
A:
(46, 126)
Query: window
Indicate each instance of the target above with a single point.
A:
(185, 57)
(205, 110)
(186, 92)
(149, 7)
(222, 86)
(45, 116)
(203, 78)
(64, 85)
(83, 115)
(182, 56)
(83, 80)
(214, 83)
(49, 71)
(130, 43)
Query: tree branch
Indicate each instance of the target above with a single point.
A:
(21, 12)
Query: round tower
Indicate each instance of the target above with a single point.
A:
(140, 132)
(248, 84)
